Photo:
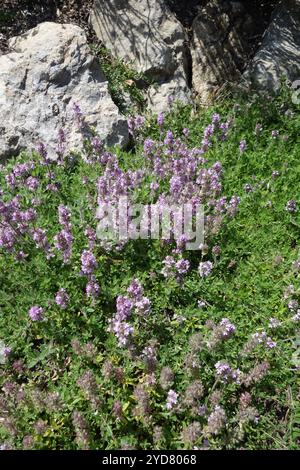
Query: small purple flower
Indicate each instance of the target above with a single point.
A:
(291, 206)
(78, 114)
(293, 305)
(122, 330)
(52, 187)
(124, 307)
(32, 183)
(216, 118)
(169, 140)
(135, 290)
(225, 373)
(97, 144)
(41, 149)
(243, 146)
(275, 174)
(205, 268)
(216, 250)
(91, 236)
(63, 243)
(88, 262)
(64, 216)
(275, 134)
(154, 186)
(171, 399)
(227, 328)
(92, 288)
(175, 184)
(160, 119)
(248, 188)
(258, 129)
(170, 100)
(5, 352)
(143, 306)
(40, 239)
(148, 145)
(297, 316)
(182, 266)
(36, 313)
(270, 343)
(274, 323)
(62, 299)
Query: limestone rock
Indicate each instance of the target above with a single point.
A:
(50, 69)
(219, 46)
(146, 34)
(279, 54)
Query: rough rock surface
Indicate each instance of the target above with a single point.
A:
(220, 46)
(147, 35)
(49, 69)
(279, 54)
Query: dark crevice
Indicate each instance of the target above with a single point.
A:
(187, 63)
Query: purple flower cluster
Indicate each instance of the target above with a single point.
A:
(226, 374)
(149, 355)
(274, 323)
(136, 302)
(63, 243)
(216, 420)
(91, 236)
(14, 223)
(172, 399)
(259, 339)
(227, 328)
(296, 317)
(62, 299)
(92, 287)
(258, 129)
(20, 175)
(118, 324)
(175, 269)
(291, 206)
(205, 268)
(36, 313)
(63, 239)
(221, 332)
(88, 262)
(32, 183)
(41, 241)
(64, 216)
(243, 146)
(135, 124)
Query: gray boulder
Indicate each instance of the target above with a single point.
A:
(50, 69)
(279, 54)
(220, 46)
(145, 34)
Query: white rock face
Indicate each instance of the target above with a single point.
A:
(279, 54)
(49, 69)
(145, 34)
